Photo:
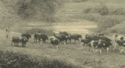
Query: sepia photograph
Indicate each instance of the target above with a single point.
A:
(62, 34)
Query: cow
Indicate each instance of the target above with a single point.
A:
(54, 41)
(37, 37)
(44, 37)
(121, 44)
(97, 41)
(26, 35)
(114, 41)
(75, 37)
(17, 41)
(62, 37)
(89, 39)
(104, 43)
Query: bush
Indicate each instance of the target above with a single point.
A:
(16, 60)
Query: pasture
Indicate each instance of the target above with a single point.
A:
(73, 17)
(73, 53)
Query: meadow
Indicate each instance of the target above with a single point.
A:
(109, 15)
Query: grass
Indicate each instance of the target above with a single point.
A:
(67, 55)
(17, 60)
(72, 54)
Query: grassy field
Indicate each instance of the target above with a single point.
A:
(109, 15)
(74, 54)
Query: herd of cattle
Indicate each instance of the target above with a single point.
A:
(96, 41)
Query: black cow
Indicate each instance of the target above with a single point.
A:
(37, 37)
(15, 41)
(27, 35)
(75, 37)
(54, 41)
(62, 37)
(44, 37)
(103, 43)
(89, 39)
(121, 42)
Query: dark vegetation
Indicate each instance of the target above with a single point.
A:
(17, 60)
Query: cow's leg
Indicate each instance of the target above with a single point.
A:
(93, 50)
(44, 40)
(107, 50)
(64, 42)
(89, 49)
(114, 47)
(121, 50)
(57, 46)
(23, 44)
(69, 41)
(16, 44)
(35, 40)
(100, 51)
(39, 40)
(12, 43)
(82, 44)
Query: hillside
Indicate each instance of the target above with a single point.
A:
(117, 29)
(105, 13)
(71, 53)
(74, 16)
(24, 11)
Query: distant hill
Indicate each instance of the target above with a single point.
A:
(120, 28)
(106, 14)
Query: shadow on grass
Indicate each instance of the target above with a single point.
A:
(16, 60)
